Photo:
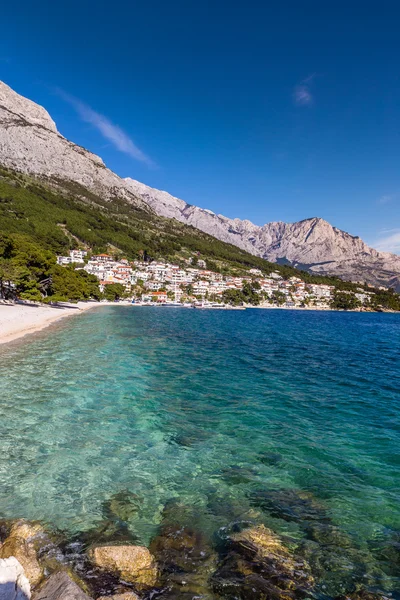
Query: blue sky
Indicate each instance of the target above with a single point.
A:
(265, 111)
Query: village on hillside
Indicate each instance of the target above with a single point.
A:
(160, 282)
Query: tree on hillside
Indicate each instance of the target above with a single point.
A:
(344, 301)
(234, 297)
(278, 297)
(8, 275)
(114, 291)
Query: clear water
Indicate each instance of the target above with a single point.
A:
(212, 409)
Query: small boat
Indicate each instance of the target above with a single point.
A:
(209, 305)
(173, 304)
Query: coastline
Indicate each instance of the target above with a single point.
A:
(18, 320)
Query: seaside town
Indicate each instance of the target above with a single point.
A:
(163, 283)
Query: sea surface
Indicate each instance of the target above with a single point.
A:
(287, 418)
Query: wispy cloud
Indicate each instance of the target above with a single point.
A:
(389, 241)
(302, 95)
(113, 133)
(386, 198)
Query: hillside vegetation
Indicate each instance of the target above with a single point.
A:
(51, 217)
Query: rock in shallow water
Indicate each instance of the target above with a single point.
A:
(122, 506)
(134, 564)
(60, 586)
(13, 583)
(269, 458)
(186, 561)
(258, 565)
(290, 505)
(364, 594)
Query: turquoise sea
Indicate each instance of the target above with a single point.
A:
(287, 418)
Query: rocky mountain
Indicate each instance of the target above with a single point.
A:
(312, 244)
(30, 142)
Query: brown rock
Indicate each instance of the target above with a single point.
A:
(21, 545)
(186, 562)
(259, 565)
(25, 530)
(134, 564)
(261, 541)
(125, 596)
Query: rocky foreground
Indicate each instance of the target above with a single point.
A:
(243, 561)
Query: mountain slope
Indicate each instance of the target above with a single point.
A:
(311, 244)
(30, 142)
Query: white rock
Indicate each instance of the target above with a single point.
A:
(30, 142)
(13, 583)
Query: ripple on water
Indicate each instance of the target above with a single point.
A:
(284, 418)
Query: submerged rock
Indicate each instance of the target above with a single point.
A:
(336, 561)
(290, 505)
(134, 564)
(269, 458)
(258, 565)
(387, 548)
(107, 532)
(191, 436)
(364, 594)
(122, 506)
(186, 561)
(329, 535)
(20, 544)
(13, 583)
(60, 586)
(236, 474)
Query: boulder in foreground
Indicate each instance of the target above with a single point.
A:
(60, 586)
(134, 564)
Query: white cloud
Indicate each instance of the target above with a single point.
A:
(302, 95)
(389, 241)
(114, 134)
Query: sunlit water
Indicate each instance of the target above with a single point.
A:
(214, 409)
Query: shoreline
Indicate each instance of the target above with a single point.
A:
(20, 319)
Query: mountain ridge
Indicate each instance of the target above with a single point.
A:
(31, 143)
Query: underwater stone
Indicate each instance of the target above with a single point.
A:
(258, 565)
(290, 505)
(186, 560)
(122, 506)
(269, 458)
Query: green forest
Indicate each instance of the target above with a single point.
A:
(40, 219)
